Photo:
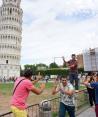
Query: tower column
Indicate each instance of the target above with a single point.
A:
(10, 38)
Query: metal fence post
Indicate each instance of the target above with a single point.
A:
(45, 109)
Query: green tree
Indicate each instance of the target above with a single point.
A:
(21, 71)
(53, 65)
(41, 66)
(64, 65)
(33, 67)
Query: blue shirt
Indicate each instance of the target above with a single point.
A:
(95, 86)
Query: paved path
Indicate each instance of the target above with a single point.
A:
(90, 112)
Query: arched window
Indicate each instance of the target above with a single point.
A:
(6, 61)
(10, 11)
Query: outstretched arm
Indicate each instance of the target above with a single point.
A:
(38, 78)
(55, 87)
(63, 59)
(54, 91)
(38, 90)
(86, 83)
(64, 62)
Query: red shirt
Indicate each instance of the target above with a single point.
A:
(21, 93)
(73, 65)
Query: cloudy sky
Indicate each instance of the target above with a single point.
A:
(56, 28)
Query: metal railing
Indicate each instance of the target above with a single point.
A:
(81, 99)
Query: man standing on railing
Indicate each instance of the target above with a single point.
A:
(22, 88)
(73, 70)
(67, 102)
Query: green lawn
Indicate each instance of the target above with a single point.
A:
(6, 88)
(48, 85)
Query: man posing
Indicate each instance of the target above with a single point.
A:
(73, 70)
(66, 97)
(22, 88)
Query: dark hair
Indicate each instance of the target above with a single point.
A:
(89, 73)
(97, 74)
(73, 55)
(64, 76)
(28, 73)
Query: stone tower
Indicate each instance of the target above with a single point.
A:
(10, 38)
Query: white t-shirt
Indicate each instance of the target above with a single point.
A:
(64, 98)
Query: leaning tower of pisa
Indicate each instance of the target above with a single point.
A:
(10, 38)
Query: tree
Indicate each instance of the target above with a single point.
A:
(33, 67)
(64, 65)
(41, 66)
(53, 65)
(21, 71)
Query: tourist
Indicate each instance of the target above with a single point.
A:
(66, 97)
(91, 91)
(73, 70)
(95, 86)
(22, 87)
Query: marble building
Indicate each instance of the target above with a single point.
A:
(10, 38)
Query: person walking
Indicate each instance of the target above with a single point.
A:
(73, 70)
(67, 102)
(22, 87)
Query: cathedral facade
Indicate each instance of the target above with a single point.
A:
(10, 38)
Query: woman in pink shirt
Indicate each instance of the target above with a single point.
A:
(22, 88)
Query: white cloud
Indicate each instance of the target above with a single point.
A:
(0, 2)
(46, 37)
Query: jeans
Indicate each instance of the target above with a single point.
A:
(91, 93)
(73, 77)
(96, 110)
(64, 108)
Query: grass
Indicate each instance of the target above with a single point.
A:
(6, 88)
(49, 85)
(82, 87)
(54, 114)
